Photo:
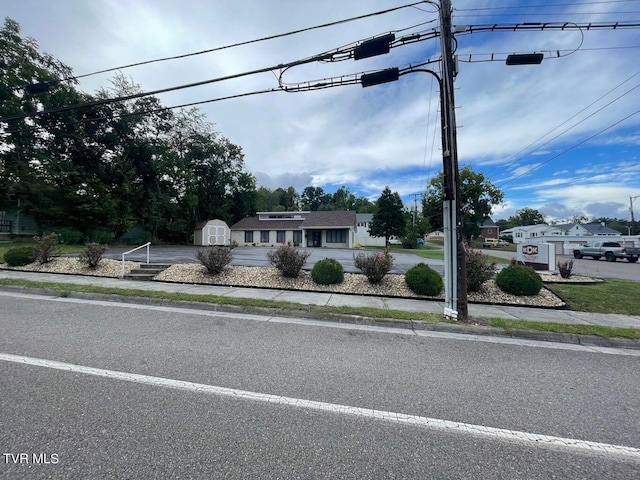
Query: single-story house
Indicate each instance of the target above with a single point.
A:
(332, 229)
(435, 235)
(212, 232)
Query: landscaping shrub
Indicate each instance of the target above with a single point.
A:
(565, 268)
(327, 272)
(424, 280)
(71, 236)
(215, 259)
(19, 256)
(46, 247)
(288, 259)
(374, 266)
(92, 255)
(479, 269)
(519, 280)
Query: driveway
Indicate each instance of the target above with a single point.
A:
(257, 257)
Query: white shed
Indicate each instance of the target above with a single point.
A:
(212, 232)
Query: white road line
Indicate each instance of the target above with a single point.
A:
(531, 439)
(328, 324)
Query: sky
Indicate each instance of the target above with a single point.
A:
(562, 137)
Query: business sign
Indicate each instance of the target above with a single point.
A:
(539, 256)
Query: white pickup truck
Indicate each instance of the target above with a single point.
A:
(611, 251)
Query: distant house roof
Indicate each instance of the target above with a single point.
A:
(364, 217)
(599, 229)
(488, 223)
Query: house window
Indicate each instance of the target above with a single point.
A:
(490, 230)
(248, 237)
(518, 234)
(534, 234)
(297, 237)
(280, 235)
(336, 236)
(264, 236)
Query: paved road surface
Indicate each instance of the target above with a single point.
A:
(133, 391)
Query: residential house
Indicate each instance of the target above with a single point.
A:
(573, 230)
(363, 238)
(331, 229)
(489, 229)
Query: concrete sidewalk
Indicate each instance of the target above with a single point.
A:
(332, 299)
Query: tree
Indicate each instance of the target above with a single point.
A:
(389, 220)
(313, 198)
(343, 199)
(364, 205)
(477, 196)
(526, 216)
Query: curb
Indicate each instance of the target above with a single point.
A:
(459, 328)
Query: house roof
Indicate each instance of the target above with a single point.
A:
(254, 223)
(330, 219)
(488, 223)
(364, 217)
(599, 229)
(325, 219)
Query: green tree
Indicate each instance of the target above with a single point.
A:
(389, 219)
(478, 195)
(313, 198)
(526, 216)
(343, 199)
(364, 205)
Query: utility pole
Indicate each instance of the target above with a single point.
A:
(454, 245)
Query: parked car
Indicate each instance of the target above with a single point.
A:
(494, 243)
(611, 251)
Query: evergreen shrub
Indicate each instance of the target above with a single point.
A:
(19, 256)
(327, 272)
(424, 280)
(519, 280)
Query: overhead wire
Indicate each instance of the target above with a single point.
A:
(233, 45)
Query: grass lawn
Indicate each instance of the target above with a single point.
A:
(610, 296)
(64, 248)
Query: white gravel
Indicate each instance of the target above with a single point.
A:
(268, 277)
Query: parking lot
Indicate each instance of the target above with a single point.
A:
(257, 257)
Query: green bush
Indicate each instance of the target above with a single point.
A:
(423, 280)
(71, 236)
(288, 259)
(46, 247)
(519, 280)
(92, 255)
(374, 266)
(479, 269)
(19, 256)
(327, 272)
(215, 259)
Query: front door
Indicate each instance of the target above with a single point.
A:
(316, 238)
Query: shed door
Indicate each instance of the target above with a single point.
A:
(216, 235)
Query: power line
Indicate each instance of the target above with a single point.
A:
(570, 148)
(515, 160)
(550, 5)
(233, 45)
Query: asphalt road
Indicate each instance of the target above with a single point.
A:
(620, 269)
(160, 392)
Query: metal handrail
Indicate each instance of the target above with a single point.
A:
(133, 250)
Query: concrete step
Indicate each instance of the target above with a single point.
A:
(146, 272)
